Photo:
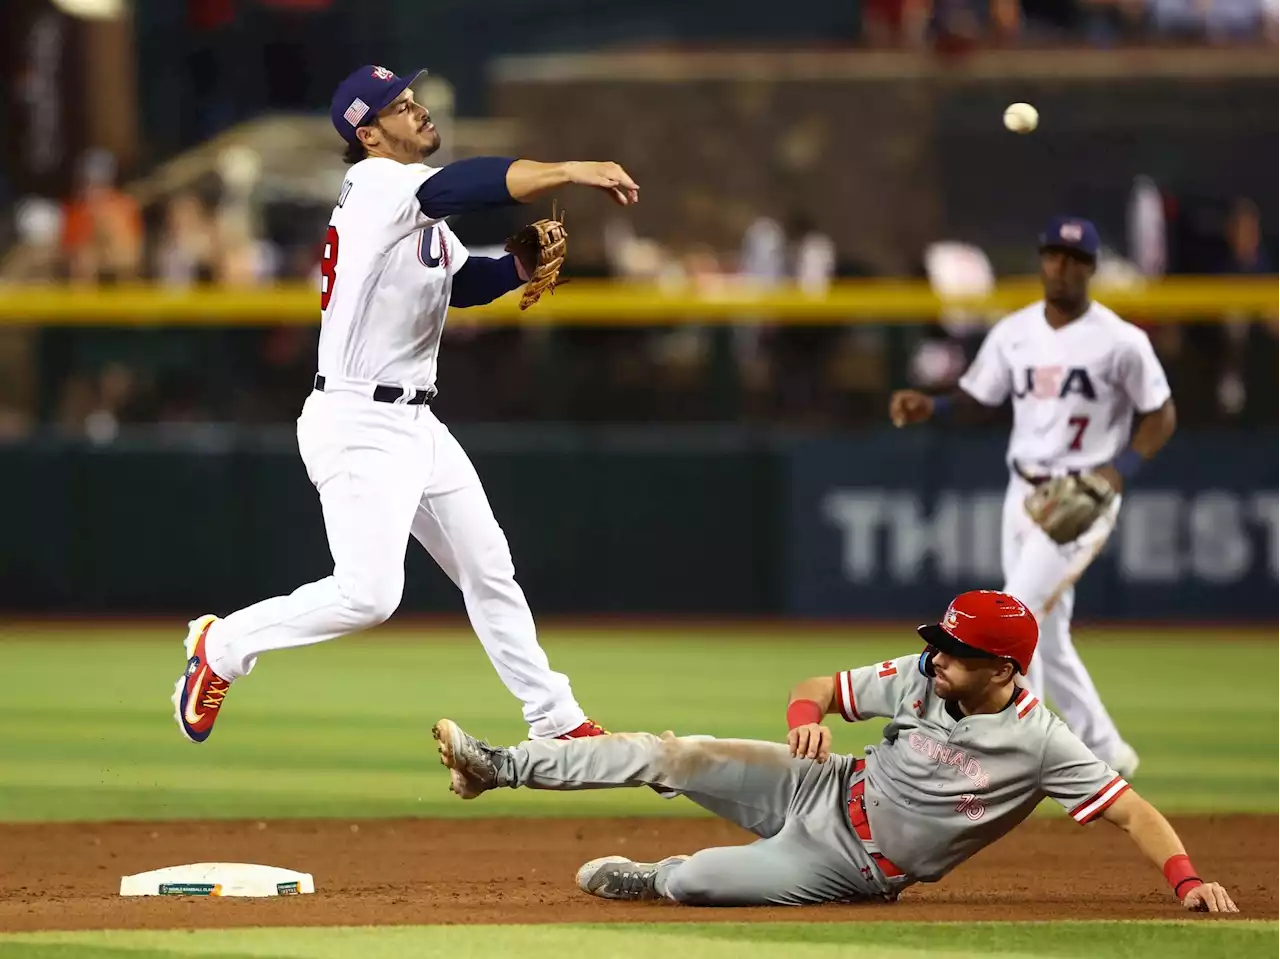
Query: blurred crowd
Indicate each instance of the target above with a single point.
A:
(235, 58)
(207, 232)
(212, 232)
(96, 381)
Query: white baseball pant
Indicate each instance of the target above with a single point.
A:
(384, 472)
(1043, 575)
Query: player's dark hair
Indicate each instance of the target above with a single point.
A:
(354, 154)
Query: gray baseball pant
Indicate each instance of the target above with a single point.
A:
(807, 851)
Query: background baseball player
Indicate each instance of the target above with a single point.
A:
(1077, 374)
(966, 756)
(385, 467)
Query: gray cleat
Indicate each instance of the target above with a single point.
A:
(616, 877)
(473, 764)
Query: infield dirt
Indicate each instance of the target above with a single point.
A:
(393, 872)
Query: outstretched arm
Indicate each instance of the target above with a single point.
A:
(1152, 833)
(485, 183)
(985, 386)
(528, 179)
(912, 406)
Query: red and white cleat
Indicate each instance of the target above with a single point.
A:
(199, 692)
(589, 728)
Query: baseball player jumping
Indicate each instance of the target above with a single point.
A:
(1077, 374)
(967, 755)
(384, 466)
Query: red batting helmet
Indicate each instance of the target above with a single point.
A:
(984, 624)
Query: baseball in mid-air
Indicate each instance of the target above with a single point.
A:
(1021, 117)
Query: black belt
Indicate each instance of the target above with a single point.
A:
(1037, 480)
(408, 396)
(1033, 480)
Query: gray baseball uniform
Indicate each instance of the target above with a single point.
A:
(933, 793)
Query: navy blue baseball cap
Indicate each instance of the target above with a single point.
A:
(1071, 233)
(362, 95)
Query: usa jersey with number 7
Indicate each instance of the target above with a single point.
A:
(1074, 389)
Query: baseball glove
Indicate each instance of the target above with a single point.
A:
(540, 248)
(1065, 506)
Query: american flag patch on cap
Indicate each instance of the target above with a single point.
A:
(356, 112)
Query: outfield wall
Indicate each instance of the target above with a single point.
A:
(662, 521)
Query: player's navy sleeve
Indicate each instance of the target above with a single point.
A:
(466, 186)
(483, 279)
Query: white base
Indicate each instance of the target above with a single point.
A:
(218, 879)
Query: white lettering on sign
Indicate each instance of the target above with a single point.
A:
(1221, 551)
(1163, 537)
(1146, 538)
(1264, 510)
(857, 515)
(894, 532)
(919, 536)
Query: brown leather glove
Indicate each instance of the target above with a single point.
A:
(540, 248)
(1065, 506)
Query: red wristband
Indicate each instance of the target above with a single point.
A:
(803, 712)
(1179, 871)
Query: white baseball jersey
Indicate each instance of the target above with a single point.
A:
(1074, 389)
(386, 276)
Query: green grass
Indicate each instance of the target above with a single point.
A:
(342, 729)
(846, 940)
